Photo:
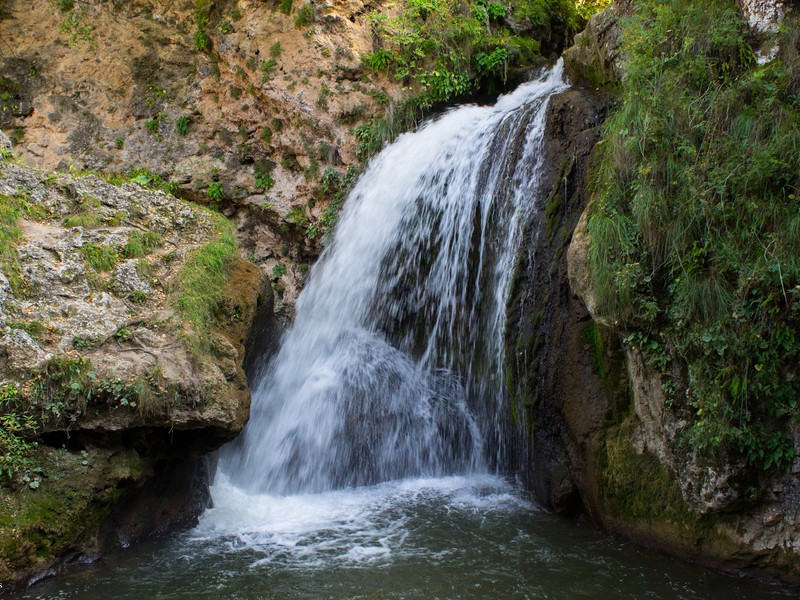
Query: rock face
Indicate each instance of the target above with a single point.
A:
(258, 114)
(555, 391)
(763, 16)
(595, 424)
(594, 57)
(101, 346)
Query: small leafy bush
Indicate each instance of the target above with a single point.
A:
(16, 430)
(215, 191)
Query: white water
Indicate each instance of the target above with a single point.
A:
(385, 391)
(391, 369)
(345, 528)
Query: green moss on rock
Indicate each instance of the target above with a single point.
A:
(635, 485)
(64, 509)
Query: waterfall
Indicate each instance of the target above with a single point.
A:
(393, 366)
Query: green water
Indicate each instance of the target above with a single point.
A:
(456, 537)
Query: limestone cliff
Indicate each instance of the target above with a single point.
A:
(123, 317)
(241, 104)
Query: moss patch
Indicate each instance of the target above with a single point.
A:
(635, 485)
(65, 512)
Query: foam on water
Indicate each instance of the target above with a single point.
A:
(351, 526)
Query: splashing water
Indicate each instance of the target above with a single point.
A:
(391, 368)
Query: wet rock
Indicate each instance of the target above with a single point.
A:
(559, 397)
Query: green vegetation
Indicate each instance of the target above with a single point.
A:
(202, 16)
(696, 223)
(153, 125)
(13, 208)
(100, 257)
(9, 90)
(285, 6)
(68, 384)
(146, 178)
(443, 49)
(215, 191)
(446, 48)
(76, 26)
(304, 16)
(263, 174)
(36, 329)
(15, 430)
(333, 186)
(637, 485)
(279, 270)
(140, 244)
(201, 284)
(10, 236)
(182, 125)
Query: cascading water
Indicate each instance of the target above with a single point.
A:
(391, 368)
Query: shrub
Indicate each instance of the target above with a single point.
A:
(305, 15)
(278, 270)
(285, 6)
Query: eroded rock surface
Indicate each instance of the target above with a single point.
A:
(262, 111)
(102, 347)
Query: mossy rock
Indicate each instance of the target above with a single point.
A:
(63, 509)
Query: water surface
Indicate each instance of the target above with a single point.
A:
(453, 537)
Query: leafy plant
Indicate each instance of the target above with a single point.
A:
(182, 125)
(16, 429)
(153, 125)
(279, 270)
(78, 29)
(202, 16)
(215, 191)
